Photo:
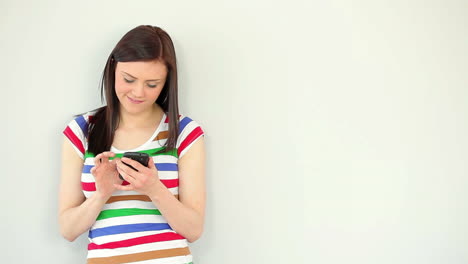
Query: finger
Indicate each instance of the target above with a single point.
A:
(114, 161)
(97, 159)
(109, 153)
(135, 164)
(127, 173)
(123, 188)
(93, 169)
(105, 156)
(151, 164)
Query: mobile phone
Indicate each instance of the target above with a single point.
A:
(142, 158)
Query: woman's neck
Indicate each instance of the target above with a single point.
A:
(140, 120)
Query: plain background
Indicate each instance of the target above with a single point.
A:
(335, 130)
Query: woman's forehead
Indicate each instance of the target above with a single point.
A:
(146, 70)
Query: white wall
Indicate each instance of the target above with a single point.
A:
(336, 130)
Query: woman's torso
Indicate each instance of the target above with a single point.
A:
(130, 228)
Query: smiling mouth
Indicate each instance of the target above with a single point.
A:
(134, 101)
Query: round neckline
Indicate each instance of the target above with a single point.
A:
(155, 133)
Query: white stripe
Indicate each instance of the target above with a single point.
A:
(76, 129)
(129, 204)
(165, 159)
(165, 175)
(171, 260)
(174, 191)
(87, 194)
(119, 237)
(87, 177)
(185, 133)
(89, 161)
(187, 130)
(189, 145)
(157, 143)
(130, 219)
(168, 175)
(122, 193)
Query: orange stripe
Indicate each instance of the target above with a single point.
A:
(145, 198)
(161, 135)
(165, 253)
(128, 197)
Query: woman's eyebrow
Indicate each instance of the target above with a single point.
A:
(137, 78)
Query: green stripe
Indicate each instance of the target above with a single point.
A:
(151, 152)
(126, 212)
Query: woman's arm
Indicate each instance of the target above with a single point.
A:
(186, 216)
(76, 213)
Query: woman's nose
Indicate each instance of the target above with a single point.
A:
(138, 90)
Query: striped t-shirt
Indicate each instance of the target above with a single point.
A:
(130, 229)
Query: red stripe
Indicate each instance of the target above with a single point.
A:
(91, 186)
(171, 183)
(189, 139)
(168, 183)
(88, 186)
(137, 241)
(74, 139)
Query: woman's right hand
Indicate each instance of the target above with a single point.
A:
(105, 174)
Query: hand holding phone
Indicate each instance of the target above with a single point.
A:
(142, 158)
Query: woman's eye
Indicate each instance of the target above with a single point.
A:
(152, 86)
(128, 81)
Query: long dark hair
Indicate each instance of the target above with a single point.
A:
(143, 43)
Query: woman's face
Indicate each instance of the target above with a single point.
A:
(138, 84)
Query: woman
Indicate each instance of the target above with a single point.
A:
(157, 209)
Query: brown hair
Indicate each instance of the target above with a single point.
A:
(143, 43)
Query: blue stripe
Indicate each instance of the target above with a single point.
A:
(121, 229)
(87, 168)
(167, 167)
(184, 122)
(83, 125)
(159, 166)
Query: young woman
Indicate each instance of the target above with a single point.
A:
(151, 215)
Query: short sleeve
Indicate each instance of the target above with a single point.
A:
(77, 132)
(189, 132)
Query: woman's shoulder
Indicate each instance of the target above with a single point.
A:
(189, 132)
(183, 119)
(79, 123)
(188, 123)
(86, 117)
(186, 119)
(77, 131)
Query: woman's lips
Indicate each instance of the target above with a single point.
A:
(134, 101)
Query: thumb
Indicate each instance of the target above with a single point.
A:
(151, 163)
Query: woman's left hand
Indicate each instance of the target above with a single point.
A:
(145, 180)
